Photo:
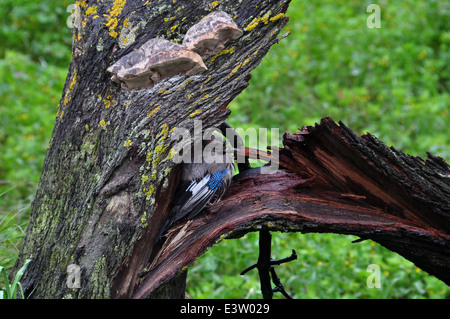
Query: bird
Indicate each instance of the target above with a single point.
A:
(203, 180)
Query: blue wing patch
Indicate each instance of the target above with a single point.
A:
(216, 180)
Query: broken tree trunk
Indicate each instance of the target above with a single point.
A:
(330, 181)
(108, 178)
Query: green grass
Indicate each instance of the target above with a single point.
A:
(11, 290)
(328, 266)
(392, 82)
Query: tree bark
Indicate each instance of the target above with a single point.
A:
(108, 180)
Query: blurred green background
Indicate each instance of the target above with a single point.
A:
(392, 82)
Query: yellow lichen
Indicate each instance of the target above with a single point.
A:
(172, 153)
(240, 65)
(207, 80)
(252, 24)
(224, 51)
(127, 143)
(265, 19)
(195, 113)
(91, 10)
(214, 4)
(150, 191)
(71, 85)
(156, 109)
(222, 237)
(159, 149)
(84, 23)
(81, 3)
(74, 79)
(277, 17)
(164, 131)
(102, 123)
(169, 19)
(173, 28)
(111, 18)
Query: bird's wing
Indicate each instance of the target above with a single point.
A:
(191, 198)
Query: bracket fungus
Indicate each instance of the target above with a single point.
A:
(158, 58)
(153, 61)
(209, 35)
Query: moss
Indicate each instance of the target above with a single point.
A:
(100, 281)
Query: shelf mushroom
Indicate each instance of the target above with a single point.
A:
(210, 34)
(153, 61)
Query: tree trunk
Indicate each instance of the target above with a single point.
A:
(108, 180)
